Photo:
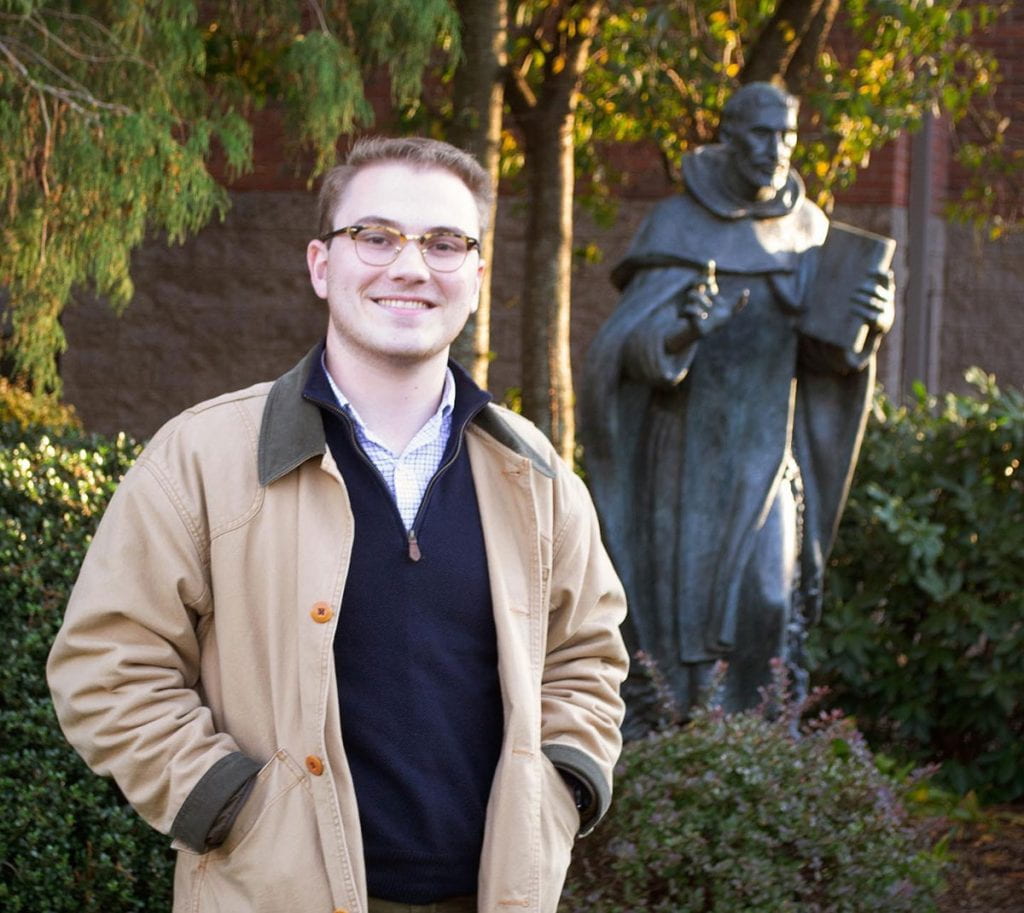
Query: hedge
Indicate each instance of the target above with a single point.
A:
(922, 637)
(741, 814)
(68, 840)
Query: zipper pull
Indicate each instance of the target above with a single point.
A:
(414, 547)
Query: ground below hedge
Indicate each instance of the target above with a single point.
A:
(987, 870)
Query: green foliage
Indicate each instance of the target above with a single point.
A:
(910, 59)
(21, 408)
(662, 71)
(68, 842)
(733, 814)
(922, 637)
(109, 116)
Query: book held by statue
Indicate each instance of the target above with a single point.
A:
(849, 258)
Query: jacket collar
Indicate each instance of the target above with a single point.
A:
(292, 429)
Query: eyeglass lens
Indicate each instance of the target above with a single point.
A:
(380, 245)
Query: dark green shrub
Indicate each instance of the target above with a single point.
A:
(733, 814)
(68, 841)
(922, 638)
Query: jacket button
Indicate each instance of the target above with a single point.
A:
(321, 612)
(314, 765)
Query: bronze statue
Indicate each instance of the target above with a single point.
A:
(724, 403)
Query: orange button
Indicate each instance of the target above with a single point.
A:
(321, 612)
(314, 765)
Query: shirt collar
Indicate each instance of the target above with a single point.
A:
(444, 409)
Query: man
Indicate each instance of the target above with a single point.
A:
(719, 436)
(353, 633)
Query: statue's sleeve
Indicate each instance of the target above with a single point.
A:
(644, 358)
(834, 388)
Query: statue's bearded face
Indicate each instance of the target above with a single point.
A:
(762, 146)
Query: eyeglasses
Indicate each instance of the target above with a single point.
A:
(379, 245)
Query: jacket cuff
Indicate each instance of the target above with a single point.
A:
(586, 770)
(208, 798)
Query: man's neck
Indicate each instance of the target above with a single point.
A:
(393, 401)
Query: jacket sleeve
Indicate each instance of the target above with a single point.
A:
(124, 669)
(586, 660)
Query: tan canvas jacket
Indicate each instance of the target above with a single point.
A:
(197, 648)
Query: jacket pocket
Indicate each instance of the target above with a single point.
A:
(559, 823)
(272, 859)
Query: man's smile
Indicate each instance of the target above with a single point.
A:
(404, 304)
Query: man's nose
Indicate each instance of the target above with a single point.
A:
(409, 263)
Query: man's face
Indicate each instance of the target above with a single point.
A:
(404, 313)
(762, 146)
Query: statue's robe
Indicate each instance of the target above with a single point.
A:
(720, 472)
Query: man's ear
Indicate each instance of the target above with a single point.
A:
(317, 255)
(481, 271)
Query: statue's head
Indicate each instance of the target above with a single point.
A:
(759, 126)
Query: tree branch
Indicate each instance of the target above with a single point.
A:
(79, 98)
(779, 40)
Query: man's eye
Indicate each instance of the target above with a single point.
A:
(376, 238)
(446, 244)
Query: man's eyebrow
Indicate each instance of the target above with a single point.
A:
(385, 222)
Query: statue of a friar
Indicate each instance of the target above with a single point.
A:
(724, 403)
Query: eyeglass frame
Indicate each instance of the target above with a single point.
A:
(352, 230)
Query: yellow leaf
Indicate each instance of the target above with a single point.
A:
(718, 17)
(558, 65)
(821, 168)
(732, 69)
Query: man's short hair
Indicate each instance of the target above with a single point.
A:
(752, 97)
(416, 151)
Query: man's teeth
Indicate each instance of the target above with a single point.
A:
(402, 304)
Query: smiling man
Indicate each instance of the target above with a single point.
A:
(350, 637)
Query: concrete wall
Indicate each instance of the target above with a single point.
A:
(230, 307)
(983, 311)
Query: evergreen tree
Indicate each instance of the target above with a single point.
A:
(111, 111)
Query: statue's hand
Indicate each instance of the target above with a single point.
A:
(705, 308)
(874, 302)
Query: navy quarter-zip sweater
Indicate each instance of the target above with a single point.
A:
(417, 666)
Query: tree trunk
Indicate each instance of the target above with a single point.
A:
(548, 397)
(478, 99)
(779, 41)
(547, 119)
(803, 67)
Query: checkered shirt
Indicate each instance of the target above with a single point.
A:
(407, 474)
